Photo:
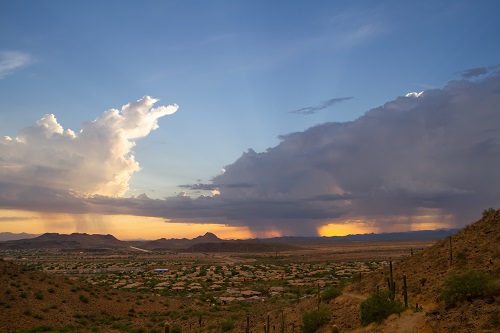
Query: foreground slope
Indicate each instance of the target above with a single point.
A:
(476, 247)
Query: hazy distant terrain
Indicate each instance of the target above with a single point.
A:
(7, 236)
(206, 243)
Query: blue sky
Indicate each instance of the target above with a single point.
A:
(237, 69)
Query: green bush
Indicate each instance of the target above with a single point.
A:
(38, 294)
(378, 307)
(458, 286)
(41, 328)
(488, 212)
(176, 329)
(494, 319)
(226, 325)
(314, 319)
(331, 293)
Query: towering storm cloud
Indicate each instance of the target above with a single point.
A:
(433, 154)
(47, 158)
(429, 157)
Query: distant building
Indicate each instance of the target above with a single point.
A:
(161, 270)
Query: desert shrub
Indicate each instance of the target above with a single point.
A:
(314, 319)
(461, 258)
(41, 328)
(331, 293)
(176, 329)
(488, 212)
(38, 294)
(226, 325)
(457, 286)
(378, 307)
(83, 298)
(494, 319)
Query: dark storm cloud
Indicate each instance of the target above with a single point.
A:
(436, 153)
(14, 195)
(473, 72)
(313, 109)
(211, 187)
(479, 71)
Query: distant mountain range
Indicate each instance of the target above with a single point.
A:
(390, 236)
(65, 242)
(206, 243)
(175, 243)
(7, 236)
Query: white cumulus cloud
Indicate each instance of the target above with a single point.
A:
(96, 160)
(414, 94)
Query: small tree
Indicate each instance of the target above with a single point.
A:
(226, 325)
(379, 306)
(331, 293)
(488, 212)
(176, 329)
(314, 319)
(458, 286)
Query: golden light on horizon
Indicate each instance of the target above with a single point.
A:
(121, 226)
(128, 227)
(343, 229)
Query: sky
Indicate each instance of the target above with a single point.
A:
(170, 119)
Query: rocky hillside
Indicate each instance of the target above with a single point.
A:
(476, 247)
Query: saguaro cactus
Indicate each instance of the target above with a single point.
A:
(391, 284)
(451, 252)
(390, 271)
(319, 297)
(282, 321)
(267, 326)
(405, 291)
(166, 326)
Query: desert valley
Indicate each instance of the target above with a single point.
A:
(97, 283)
